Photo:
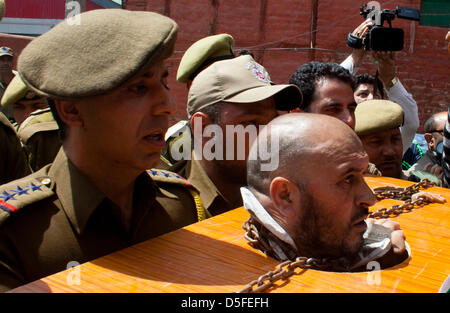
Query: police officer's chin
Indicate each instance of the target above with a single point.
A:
(390, 169)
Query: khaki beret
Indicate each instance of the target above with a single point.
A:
(211, 47)
(2, 9)
(16, 90)
(239, 80)
(377, 115)
(107, 48)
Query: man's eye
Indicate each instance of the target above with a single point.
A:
(165, 84)
(397, 139)
(375, 143)
(252, 122)
(349, 179)
(334, 110)
(139, 89)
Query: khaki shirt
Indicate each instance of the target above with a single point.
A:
(372, 170)
(57, 215)
(6, 110)
(13, 161)
(213, 201)
(39, 134)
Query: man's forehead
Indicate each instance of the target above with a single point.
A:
(32, 101)
(365, 86)
(383, 133)
(332, 88)
(337, 161)
(336, 147)
(252, 106)
(327, 81)
(159, 68)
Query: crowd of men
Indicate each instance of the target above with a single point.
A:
(91, 165)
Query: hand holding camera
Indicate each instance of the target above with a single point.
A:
(377, 37)
(386, 66)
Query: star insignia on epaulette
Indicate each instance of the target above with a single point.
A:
(34, 187)
(20, 191)
(7, 196)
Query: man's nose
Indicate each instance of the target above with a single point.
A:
(365, 196)
(388, 149)
(166, 105)
(348, 118)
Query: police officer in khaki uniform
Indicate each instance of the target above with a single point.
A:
(13, 161)
(22, 100)
(97, 196)
(197, 57)
(39, 135)
(377, 125)
(228, 92)
(6, 75)
(36, 127)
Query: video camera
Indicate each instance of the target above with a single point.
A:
(380, 38)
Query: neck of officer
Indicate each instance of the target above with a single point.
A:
(116, 182)
(226, 180)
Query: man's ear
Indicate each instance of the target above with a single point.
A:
(69, 112)
(429, 138)
(200, 119)
(285, 196)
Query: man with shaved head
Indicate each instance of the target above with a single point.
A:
(434, 135)
(316, 202)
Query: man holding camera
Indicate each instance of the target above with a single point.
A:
(393, 88)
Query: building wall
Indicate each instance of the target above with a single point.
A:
(49, 9)
(32, 9)
(282, 32)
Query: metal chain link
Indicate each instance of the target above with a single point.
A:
(401, 193)
(287, 268)
(283, 271)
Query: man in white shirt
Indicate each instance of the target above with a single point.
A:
(393, 88)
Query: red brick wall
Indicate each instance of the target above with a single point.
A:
(279, 33)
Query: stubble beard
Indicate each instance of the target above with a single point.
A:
(315, 236)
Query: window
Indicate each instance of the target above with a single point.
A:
(435, 13)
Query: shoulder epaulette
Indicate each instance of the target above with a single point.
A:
(164, 176)
(38, 116)
(4, 120)
(22, 192)
(38, 121)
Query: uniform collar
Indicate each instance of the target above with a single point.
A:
(257, 211)
(78, 195)
(200, 180)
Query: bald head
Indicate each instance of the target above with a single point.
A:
(436, 122)
(300, 137)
